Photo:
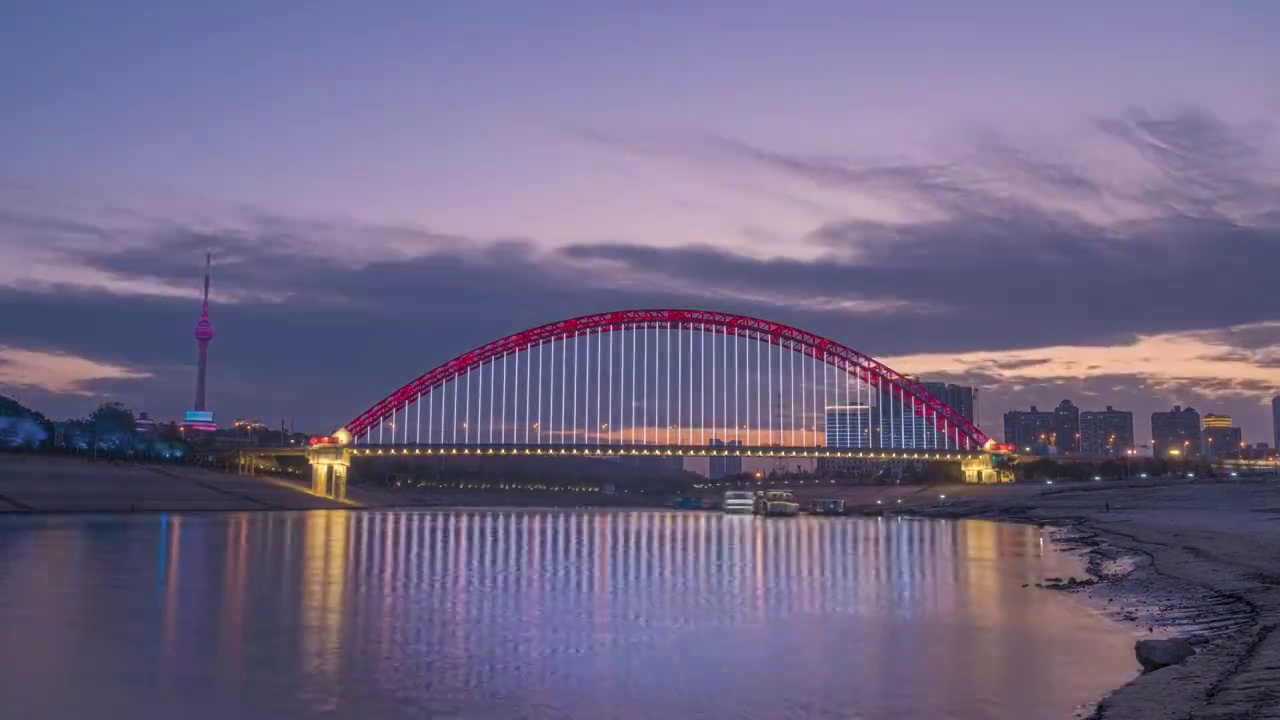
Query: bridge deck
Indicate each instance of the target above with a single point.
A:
(663, 450)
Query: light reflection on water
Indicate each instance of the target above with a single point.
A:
(541, 615)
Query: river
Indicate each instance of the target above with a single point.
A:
(541, 614)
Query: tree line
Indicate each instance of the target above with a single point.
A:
(110, 431)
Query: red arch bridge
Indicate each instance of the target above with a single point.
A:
(660, 383)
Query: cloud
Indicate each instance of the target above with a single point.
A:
(1135, 165)
(56, 372)
(1234, 371)
(1206, 167)
(1142, 258)
(1204, 362)
(1176, 227)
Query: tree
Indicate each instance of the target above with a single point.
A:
(113, 426)
(22, 427)
(14, 409)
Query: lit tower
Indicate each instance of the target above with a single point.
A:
(199, 418)
(204, 333)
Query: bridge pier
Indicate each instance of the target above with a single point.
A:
(981, 469)
(329, 469)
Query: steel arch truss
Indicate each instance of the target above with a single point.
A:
(947, 422)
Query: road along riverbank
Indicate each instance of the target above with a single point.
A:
(1193, 559)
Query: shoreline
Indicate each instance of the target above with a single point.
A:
(1194, 560)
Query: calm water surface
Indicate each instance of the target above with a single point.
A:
(368, 615)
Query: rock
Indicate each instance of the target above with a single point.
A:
(1155, 654)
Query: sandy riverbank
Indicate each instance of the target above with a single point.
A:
(1199, 560)
(58, 484)
(53, 484)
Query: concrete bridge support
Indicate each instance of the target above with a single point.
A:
(329, 468)
(982, 469)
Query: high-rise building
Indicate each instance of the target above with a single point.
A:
(1106, 432)
(1215, 420)
(1220, 438)
(900, 423)
(1176, 433)
(963, 400)
(848, 426)
(1066, 428)
(895, 423)
(719, 466)
(1030, 431)
(1275, 420)
(199, 418)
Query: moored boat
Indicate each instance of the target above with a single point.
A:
(739, 502)
(777, 503)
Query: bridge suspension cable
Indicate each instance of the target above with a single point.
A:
(667, 378)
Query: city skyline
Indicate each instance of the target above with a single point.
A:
(390, 200)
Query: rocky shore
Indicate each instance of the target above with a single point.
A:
(1197, 560)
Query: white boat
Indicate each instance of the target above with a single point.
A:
(739, 502)
(778, 503)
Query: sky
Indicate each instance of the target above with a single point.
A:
(1047, 201)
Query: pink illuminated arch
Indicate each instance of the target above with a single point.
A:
(946, 420)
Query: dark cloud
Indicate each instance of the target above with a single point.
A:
(342, 339)
(1207, 165)
(328, 317)
(1009, 283)
(1020, 165)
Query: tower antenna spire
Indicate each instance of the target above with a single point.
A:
(208, 270)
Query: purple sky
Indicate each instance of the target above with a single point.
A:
(1071, 201)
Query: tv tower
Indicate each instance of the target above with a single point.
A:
(199, 418)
